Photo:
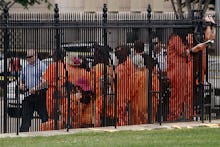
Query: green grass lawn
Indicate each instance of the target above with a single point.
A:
(209, 137)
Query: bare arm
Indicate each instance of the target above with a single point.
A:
(210, 33)
(197, 48)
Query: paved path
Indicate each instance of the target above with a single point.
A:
(178, 125)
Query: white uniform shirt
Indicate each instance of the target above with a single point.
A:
(161, 57)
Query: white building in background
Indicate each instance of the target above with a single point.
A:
(97, 5)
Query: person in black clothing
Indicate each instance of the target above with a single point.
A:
(34, 90)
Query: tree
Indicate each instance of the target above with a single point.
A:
(178, 6)
(24, 3)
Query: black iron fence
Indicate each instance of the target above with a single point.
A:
(105, 69)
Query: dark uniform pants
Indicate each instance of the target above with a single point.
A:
(34, 102)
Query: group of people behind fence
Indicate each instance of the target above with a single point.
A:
(94, 94)
(88, 89)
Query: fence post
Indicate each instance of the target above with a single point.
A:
(57, 38)
(150, 70)
(105, 9)
(201, 78)
(6, 48)
(198, 35)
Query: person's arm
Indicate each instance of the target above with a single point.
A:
(197, 48)
(42, 84)
(210, 33)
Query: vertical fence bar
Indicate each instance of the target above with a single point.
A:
(160, 96)
(67, 87)
(208, 86)
(201, 84)
(115, 105)
(105, 66)
(17, 97)
(6, 48)
(57, 39)
(150, 70)
(68, 96)
(201, 88)
(199, 38)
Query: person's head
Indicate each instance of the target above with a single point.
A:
(210, 29)
(73, 59)
(31, 56)
(101, 54)
(183, 33)
(85, 64)
(57, 55)
(157, 46)
(122, 52)
(83, 84)
(138, 46)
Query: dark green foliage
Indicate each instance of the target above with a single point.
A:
(25, 3)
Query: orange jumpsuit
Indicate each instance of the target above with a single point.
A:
(139, 99)
(75, 73)
(155, 97)
(50, 77)
(124, 86)
(79, 113)
(84, 111)
(179, 72)
(139, 96)
(75, 114)
(97, 73)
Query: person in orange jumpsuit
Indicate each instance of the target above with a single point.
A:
(179, 71)
(101, 57)
(78, 111)
(124, 70)
(139, 90)
(75, 110)
(75, 76)
(75, 72)
(50, 76)
(81, 104)
(139, 95)
(132, 86)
